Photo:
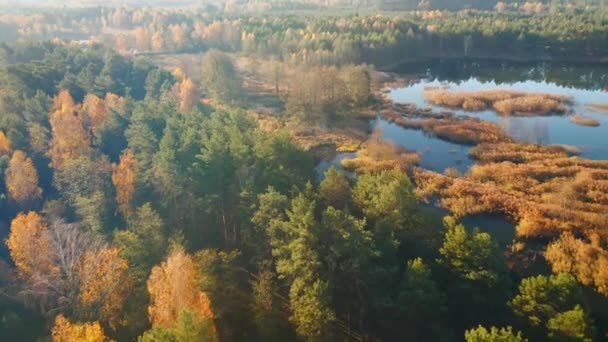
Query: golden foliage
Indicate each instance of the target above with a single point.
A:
(124, 178)
(379, 154)
(173, 287)
(587, 261)
(505, 102)
(70, 139)
(5, 143)
(66, 331)
(95, 112)
(30, 245)
(542, 188)
(187, 95)
(22, 178)
(115, 102)
(105, 282)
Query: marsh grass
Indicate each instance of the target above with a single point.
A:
(457, 129)
(600, 107)
(378, 154)
(543, 189)
(584, 120)
(505, 102)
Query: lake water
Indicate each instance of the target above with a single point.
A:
(547, 130)
(585, 84)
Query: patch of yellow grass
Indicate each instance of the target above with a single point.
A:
(505, 102)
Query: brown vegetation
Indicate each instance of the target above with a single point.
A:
(584, 120)
(542, 188)
(505, 102)
(600, 107)
(378, 155)
(461, 130)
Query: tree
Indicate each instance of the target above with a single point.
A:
(481, 334)
(477, 278)
(95, 112)
(124, 178)
(587, 261)
(295, 243)
(220, 79)
(5, 144)
(30, 246)
(70, 139)
(173, 287)
(388, 195)
(22, 179)
(189, 328)
(572, 325)
(66, 331)
(143, 243)
(187, 95)
(335, 189)
(542, 298)
(105, 284)
(422, 304)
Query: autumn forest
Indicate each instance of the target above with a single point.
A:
(226, 172)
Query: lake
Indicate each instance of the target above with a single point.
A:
(585, 84)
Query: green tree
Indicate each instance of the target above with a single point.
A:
(188, 328)
(295, 246)
(388, 195)
(571, 325)
(335, 189)
(477, 280)
(220, 79)
(481, 334)
(546, 302)
(421, 303)
(143, 243)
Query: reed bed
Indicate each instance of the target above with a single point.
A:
(544, 190)
(378, 154)
(584, 120)
(505, 102)
(600, 107)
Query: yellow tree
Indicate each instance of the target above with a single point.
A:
(30, 245)
(124, 178)
(22, 178)
(66, 331)
(142, 39)
(105, 284)
(115, 102)
(5, 143)
(95, 112)
(70, 139)
(173, 287)
(187, 94)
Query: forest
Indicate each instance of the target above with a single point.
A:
(159, 178)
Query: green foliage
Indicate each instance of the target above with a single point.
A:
(481, 334)
(335, 189)
(188, 329)
(143, 243)
(572, 325)
(554, 306)
(220, 79)
(388, 195)
(421, 303)
(473, 256)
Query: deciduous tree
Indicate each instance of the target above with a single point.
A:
(66, 331)
(173, 287)
(124, 178)
(30, 245)
(22, 178)
(70, 140)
